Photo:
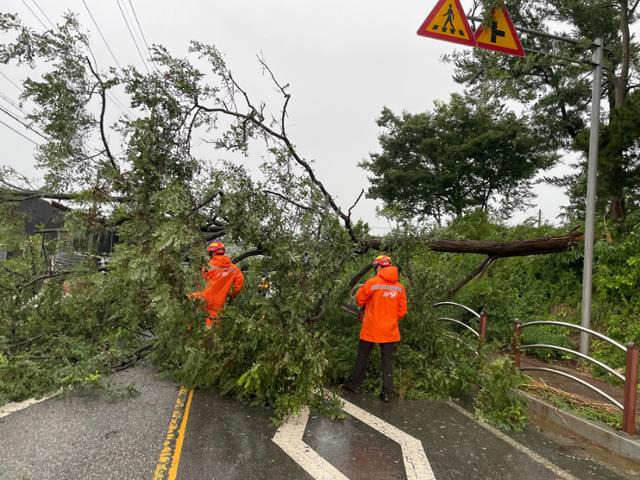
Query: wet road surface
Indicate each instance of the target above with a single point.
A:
(94, 436)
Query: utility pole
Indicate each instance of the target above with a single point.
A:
(590, 217)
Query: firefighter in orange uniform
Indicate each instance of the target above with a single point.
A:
(223, 279)
(385, 302)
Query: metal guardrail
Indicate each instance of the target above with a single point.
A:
(630, 378)
(461, 323)
(481, 333)
(459, 305)
(602, 365)
(577, 327)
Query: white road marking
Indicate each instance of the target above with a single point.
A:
(518, 446)
(289, 438)
(416, 464)
(10, 408)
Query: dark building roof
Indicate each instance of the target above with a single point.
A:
(40, 214)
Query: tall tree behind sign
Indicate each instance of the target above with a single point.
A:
(467, 153)
(557, 93)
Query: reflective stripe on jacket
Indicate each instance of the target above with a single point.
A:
(385, 302)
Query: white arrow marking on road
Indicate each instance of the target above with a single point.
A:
(416, 464)
(289, 438)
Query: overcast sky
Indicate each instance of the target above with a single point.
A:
(344, 59)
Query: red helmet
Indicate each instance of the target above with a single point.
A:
(216, 248)
(382, 261)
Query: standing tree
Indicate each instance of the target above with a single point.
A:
(557, 93)
(463, 155)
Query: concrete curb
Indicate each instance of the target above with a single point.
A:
(594, 432)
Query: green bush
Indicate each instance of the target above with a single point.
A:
(497, 401)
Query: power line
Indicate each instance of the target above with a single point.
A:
(130, 21)
(141, 32)
(132, 36)
(100, 32)
(111, 97)
(12, 103)
(11, 81)
(19, 133)
(26, 125)
(34, 14)
(115, 100)
(44, 14)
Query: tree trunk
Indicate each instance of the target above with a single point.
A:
(538, 246)
(617, 207)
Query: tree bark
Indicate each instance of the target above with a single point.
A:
(538, 246)
(617, 207)
(479, 270)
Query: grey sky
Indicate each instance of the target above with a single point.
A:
(344, 60)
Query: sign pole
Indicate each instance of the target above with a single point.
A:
(592, 173)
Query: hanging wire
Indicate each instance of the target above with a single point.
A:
(112, 97)
(44, 14)
(144, 39)
(12, 103)
(25, 125)
(34, 14)
(101, 35)
(11, 82)
(132, 36)
(19, 133)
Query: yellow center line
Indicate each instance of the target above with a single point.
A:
(167, 466)
(183, 428)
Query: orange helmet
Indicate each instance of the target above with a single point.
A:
(216, 248)
(382, 261)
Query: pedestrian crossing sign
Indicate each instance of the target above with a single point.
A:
(500, 35)
(447, 21)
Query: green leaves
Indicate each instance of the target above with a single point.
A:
(556, 94)
(497, 401)
(465, 154)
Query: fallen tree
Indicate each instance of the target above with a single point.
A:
(538, 246)
(164, 202)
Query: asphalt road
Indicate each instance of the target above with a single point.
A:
(164, 432)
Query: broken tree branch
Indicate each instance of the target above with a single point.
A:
(355, 203)
(358, 276)
(43, 277)
(538, 246)
(206, 201)
(103, 96)
(479, 270)
(133, 357)
(9, 195)
(286, 199)
(256, 118)
(250, 253)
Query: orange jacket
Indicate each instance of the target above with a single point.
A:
(385, 303)
(221, 276)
